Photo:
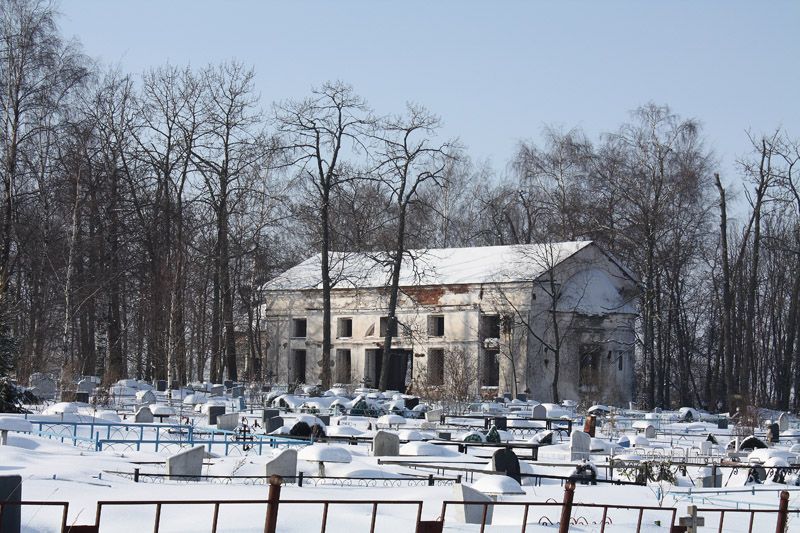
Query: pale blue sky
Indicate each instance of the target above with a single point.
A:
(496, 72)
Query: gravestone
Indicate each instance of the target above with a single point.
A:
(213, 412)
(237, 391)
(706, 447)
(539, 412)
(217, 390)
(242, 404)
(711, 479)
(650, 432)
(773, 433)
(284, 465)
(227, 383)
(624, 442)
(434, 415)
(579, 445)
(585, 474)
(712, 439)
(471, 514)
(722, 423)
(228, 421)
(273, 424)
(86, 385)
(43, 386)
(545, 438)
(444, 435)
(161, 385)
(411, 403)
(589, 425)
(385, 444)
(751, 443)
(493, 435)
(145, 397)
(505, 460)
(783, 422)
(187, 464)
(325, 419)
(501, 422)
(11, 491)
(82, 396)
(267, 414)
(757, 475)
(522, 397)
(144, 416)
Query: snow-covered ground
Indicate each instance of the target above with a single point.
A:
(52, 470)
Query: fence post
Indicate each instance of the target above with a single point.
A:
(272, 504)
(430, 480)
(783, 512)
(566, 509)
(136, 475)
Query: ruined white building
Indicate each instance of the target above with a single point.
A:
(493, 308)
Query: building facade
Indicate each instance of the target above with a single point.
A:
(509, 318)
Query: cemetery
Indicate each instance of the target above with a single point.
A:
(223, 457)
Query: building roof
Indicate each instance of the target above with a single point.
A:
(436, 266)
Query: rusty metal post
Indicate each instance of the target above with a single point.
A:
(272, 504)
(566, 508)
(783, 512)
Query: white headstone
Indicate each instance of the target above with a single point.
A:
(579, 445)
(284, 464)
(228, 421)
(650, 432)
(385, 444)
(539, 412)
(706, 447)
(783, 422)
(144, 416)
(434, 415)
(145, 397)
(471, 514)
(187, 464)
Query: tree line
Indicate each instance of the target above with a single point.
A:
(141, 214)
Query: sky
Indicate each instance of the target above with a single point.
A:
(496, 72)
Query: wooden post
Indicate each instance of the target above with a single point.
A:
(566, 509)
(783, 512)
(272, 504)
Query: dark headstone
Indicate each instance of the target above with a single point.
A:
(411, 403)
(585, 474)
(501, 422)
(756, 474)
(505, 460)
(267, 414)
(11, 491)
(712, 439)
(82, 396)
(493, 435)
(507, 396)
(325, 419)
(522, 397)
(161, 385)
(752, 443)
(499, 400)
(175, 385)
(589, 425)
(273, 423)
(228, 383)
(473, 437)
(722, 423)
(443, 435)
(773, 433)
(237, 391)
(546, 438)
(300, 429)
(213, 412)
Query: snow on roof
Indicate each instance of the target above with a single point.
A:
(436, 266)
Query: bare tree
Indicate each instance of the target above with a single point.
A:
(319, 134)
(408, 161)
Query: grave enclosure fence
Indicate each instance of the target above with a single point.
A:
(569, 513)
